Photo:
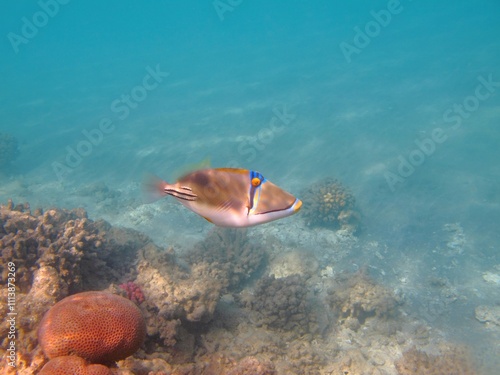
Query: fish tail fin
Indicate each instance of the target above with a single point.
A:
(153, 188)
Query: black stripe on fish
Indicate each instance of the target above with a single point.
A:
(183, 192)
(278, 210)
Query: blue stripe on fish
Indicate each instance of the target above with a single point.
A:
(256, 181)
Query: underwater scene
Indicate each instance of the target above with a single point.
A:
(250, 187)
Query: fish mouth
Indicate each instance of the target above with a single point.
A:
(295, 206)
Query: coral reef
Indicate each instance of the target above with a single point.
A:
(97, 326)
(330, 204)
(282, 304)
(68, 243)
(175, 294)
(231, 252)
(60, 252)
(357, 298)
(8, 149)
(56, 252)
(198, 320)
(452, 360)
(73, 365)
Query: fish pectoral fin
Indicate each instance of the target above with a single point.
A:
(207, 219)
(181, 192)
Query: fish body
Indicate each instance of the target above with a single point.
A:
(229, 197)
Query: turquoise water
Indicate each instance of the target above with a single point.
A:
(398, 100)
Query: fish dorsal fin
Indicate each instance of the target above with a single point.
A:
(234, 170)
(188, 168)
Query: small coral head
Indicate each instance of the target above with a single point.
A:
(73, 365)
(134, 292)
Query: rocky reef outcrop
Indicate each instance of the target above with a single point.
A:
(356, 299)
(450, 360)
(231, 252)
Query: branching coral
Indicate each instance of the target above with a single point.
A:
(67, 242)
(231, 251)
(282, 304)
(176, 293)
(330, 204)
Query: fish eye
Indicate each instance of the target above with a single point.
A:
(256, 181)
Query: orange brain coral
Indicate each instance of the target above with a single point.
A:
(97, 326)
(73, 365)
